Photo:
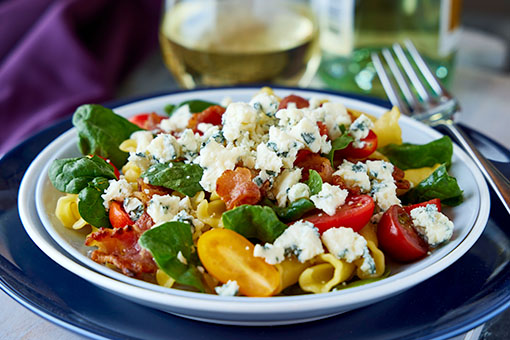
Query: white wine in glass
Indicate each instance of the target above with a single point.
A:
(227, 42)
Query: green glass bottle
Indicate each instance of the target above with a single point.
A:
(352, 29)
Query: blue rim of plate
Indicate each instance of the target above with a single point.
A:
(35, 285)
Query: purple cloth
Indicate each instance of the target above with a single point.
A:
(56, 55)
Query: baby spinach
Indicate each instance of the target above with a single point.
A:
(339, 143)
(195, 106)
(438, 185)
(177, 176)
(101, 131)
(254, 221)
(314, 182)
(90, 204)
(411, 156)
(165, 242)
(71, 175)
(293, 211)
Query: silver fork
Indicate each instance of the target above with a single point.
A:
(435, 109)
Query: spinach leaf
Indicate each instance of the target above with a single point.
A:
(254, 221)
(314, 182)
(195, 106)
(340, 143)
(90, 204)
(71, 175)
(164, 243)
(101, 131)
(412, 156)
(438, 185)
(178, 176)
(293, 211)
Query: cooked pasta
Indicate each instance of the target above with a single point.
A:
(67, 212)
(327, 273)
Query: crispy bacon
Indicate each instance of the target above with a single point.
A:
(402, 184)
(312, 161)
(337, 180)
(236, 188)
(147, 191)
(120, 247)
(323, 129)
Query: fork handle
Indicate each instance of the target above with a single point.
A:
(496, 179)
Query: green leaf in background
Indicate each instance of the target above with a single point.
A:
(101, 131)
(164, 243)
(411, 156)
(339, 144)
(293, 211)
(254, 221)
(438, 185)
(71, 175)
(177, 176)
(195, 106)
(314, 182)
(90, 204)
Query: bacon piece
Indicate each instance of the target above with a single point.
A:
(120, 247)
(211, 115)
(236, 188)
(401, 183)
(313, 161)
(147, 191)
(337, 180)
(323, 129)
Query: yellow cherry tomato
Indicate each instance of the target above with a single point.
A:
(228, 255)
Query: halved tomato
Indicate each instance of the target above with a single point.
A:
(370, 145)
(435, 201)
(355, 214)
(211, 115)
(227, 255)
(299, 101)
(147, 121)
(119, 218)
(397, 236)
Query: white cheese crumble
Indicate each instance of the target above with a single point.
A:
(333, 115)
(285, 145)
(267, 103)
(267, 159)
(432, 225)
(329, 198)
(354, 175)
(383, 187)
(359, 129)
(181, 258)
(298, 191)
(164, 148)
(142, 139)
(238, 118)
(189, 143)
(231, 288)
(163, 208)
(133, 207)
(117, 190)
(283, 183)
(178, 121)
(346, 244)
(301, 239)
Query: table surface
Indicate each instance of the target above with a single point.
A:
(483, 95)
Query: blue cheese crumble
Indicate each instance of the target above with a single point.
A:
(231, 288)
(359, 129)
(383, 188)
(298, 191)
(329, 198)
(117, 190)
(354, 175)
(432, 225)
(346, 244)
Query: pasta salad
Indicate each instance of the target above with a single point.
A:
(275, 196)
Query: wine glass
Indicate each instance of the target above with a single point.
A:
(228, 42)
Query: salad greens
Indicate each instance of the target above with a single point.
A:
(71, 175)
(254, 221)
(177, 176)
(438, 185)
(195, 106)
(412, 156)
(293, 211)
(101, 131)
(340, 143)
(90, 204)
(314, 182)
(165, 242)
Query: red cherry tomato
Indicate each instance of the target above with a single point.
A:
(397, 236)
(146, 121)
(323, 129)
(119, 218)
(355, 214)
(435, 201)
(351, 152)
(299, 101)
(115, 170)
(211, 115)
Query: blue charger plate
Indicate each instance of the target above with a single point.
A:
(465, 295)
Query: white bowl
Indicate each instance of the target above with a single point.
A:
(37, 201)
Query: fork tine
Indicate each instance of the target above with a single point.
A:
(411, 73)
(425, 70)
(402, 82)
(388, 85)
